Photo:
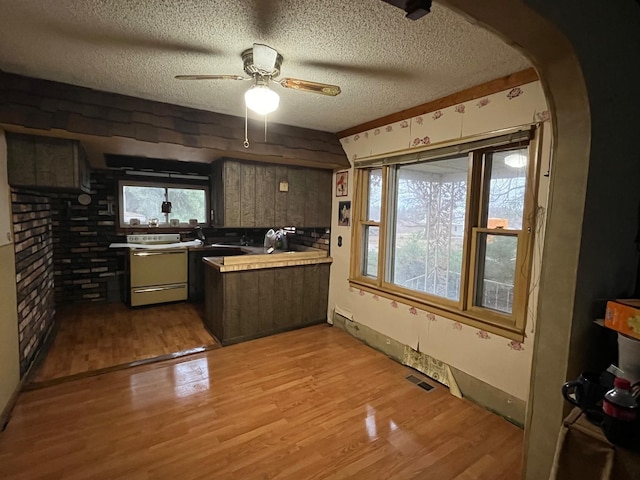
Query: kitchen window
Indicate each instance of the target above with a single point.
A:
(450, 229)
(141, 204)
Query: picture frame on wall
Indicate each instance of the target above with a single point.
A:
(342, 184)
(344, 213)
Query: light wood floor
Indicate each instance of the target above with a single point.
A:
(309, 404)
(94, 336)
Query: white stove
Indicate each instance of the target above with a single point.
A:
(157, 274)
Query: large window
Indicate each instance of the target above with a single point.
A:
(451, 229)
(141, 204)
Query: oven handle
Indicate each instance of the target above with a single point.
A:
(148, 254)
(158, 289)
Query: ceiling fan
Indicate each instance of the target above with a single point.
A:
(262, 63)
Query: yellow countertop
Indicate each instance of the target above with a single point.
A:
(257, 258)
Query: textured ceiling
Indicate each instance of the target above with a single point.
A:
(383, 62)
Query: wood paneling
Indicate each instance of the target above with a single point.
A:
(325, 197)
(231, 194)
(310, 404)
(296, 196)
(264, 301)
(515, 79)
(36, 161)
(265, 194)
(251, 195)
(282, 175)
(95, 336)
(44, 105)
(248, 195)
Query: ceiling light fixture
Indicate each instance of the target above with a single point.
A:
(260, 98)
(516, 160)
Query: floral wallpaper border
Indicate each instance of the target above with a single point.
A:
(514, 94)
(432, 317)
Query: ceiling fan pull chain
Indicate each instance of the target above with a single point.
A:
(265, 129)
(246, 135)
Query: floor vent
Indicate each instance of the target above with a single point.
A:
(421, 383)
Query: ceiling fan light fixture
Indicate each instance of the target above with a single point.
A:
(261, 99)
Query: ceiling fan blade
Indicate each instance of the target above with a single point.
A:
(307, 86)
(264, 57)
(211, 77)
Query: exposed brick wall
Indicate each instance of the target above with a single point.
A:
(34, 271)
(85, 268)
(314, 237)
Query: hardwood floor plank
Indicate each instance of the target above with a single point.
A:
(309, 404)
(92, 337)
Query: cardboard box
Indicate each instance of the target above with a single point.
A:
(623, 315)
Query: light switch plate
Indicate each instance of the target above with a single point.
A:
(284, 186)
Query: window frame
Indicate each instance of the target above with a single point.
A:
(465, 309)
(166, 184)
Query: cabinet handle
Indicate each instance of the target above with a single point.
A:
(149, 254)
(158, 289)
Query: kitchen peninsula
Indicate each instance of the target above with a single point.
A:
(259, 294)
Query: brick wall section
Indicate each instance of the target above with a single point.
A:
(34, 271)
(85, 268)
(314, 237)
(46, 105)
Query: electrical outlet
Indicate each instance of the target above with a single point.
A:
(388, 342)
(284, 186)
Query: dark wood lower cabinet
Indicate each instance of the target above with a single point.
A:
(248, 304)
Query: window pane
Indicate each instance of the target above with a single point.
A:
(188, 203)
(375, 195)
(142, 203)
(429, 226)
(371, 242)
(496, 269)
(506, 189)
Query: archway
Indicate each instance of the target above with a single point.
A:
(593, 99)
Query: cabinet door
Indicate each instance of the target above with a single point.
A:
(282, 177)
(325, 177)
(318, 198)
(311, 204)
(231, 179)
(247, 195)
(21, 165)
(55, 163)
(217, 194)
(296, 196)
(35, 161)
(265, 195)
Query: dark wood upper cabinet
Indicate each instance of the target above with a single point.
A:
(45, 162)
(251, 194)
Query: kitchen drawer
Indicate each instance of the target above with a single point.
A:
(158, 294)
(158, 267)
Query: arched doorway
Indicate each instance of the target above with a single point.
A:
(593, 101)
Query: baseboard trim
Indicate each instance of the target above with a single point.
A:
(122, 366)
(5, 416)
(499, 402)
(41, 355)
